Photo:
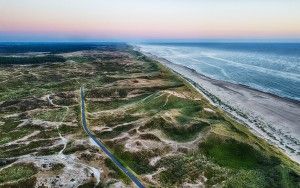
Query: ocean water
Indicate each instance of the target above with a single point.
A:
(272, 67)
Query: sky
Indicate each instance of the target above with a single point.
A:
(138, 20)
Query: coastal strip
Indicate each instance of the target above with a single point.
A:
(268, 116)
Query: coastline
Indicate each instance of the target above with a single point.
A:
(274, 118)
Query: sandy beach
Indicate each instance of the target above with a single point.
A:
(271, 117)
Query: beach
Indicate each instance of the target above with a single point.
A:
(273, 118)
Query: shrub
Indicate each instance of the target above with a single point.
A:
(16, 172)
(122, 93)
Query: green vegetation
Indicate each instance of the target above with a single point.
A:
(115, 120)
(52, 47)
(178, 133)
(8, 137)
(29, 182)
(116, 172)
(9, 131)
(66, 130)
(31, 60)
(89, 184)
(17, 172)
(49, 151)
(115, 132)
(24, 149)
(234, 154)
(148, 136)
(55, 115)
(112, 104)
(137, 161)
(229, 156)
(72, 148)
(191, 166)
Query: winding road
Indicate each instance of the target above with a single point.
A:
(102, 146)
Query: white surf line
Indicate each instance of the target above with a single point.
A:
(282, 74)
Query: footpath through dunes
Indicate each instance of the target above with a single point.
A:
(155, 123)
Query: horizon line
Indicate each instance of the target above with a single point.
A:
(160, 41)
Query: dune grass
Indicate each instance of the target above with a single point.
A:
(17, 172)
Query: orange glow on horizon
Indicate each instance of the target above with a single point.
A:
(143, 19)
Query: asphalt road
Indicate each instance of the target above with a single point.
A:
(102, 147)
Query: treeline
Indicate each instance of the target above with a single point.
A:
(31, 60)
(11, 48)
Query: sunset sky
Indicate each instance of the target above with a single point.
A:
(93, 20)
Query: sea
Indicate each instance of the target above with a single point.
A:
(268, 67)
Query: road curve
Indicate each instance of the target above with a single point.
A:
(102, 146)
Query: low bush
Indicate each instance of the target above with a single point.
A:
(17, 172)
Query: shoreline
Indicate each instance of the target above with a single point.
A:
(241, 85)
(268, 116)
